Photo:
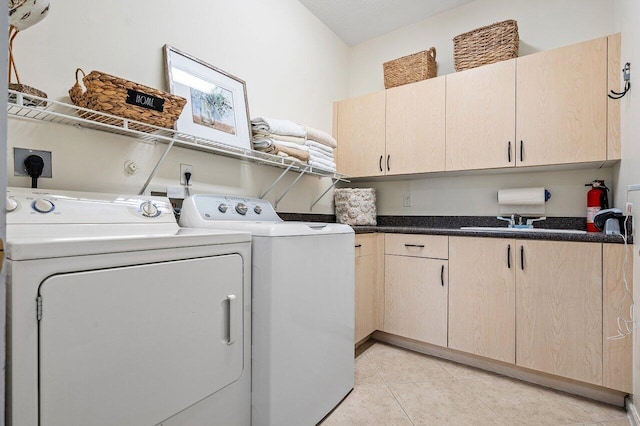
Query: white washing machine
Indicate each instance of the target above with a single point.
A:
(303, 307)
(116, 316)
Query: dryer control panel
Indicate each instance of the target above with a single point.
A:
(31, 206)
(229, 208)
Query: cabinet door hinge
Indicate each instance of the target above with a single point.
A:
(39, 307)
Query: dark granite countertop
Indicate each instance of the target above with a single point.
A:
(450, 225)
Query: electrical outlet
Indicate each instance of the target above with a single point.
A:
(406, 200)
(628, 208)
(19, 154)
(185, 168)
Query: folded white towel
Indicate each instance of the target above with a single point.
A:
(277, 126)
(294, 139)
(277, 141)
(322, 166)
(319, 146)
(323, 163)
(320, 155)
(321, 137)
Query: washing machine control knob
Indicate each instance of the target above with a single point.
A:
(222, 208)
(11, 204)
(42, 205)
(148, 209)
(242, 208)
(257, 209)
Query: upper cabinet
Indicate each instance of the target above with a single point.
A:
(562, 105)
(360, 130)
(481, 117)
(543, 109)
(415, 132)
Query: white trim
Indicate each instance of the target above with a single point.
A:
(632, 412)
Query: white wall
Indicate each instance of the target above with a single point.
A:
(542, 25)
(628, 13)
(294, 67)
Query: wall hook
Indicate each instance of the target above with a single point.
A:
(626, 74)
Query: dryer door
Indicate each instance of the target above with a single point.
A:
(135, 345)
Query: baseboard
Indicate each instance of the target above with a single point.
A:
(598, 393)
(633, 413)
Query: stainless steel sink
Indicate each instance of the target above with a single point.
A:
(505, 229)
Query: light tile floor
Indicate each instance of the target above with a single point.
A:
(394, 386)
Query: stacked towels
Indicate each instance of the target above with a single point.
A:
(288, 139)
(280, 137)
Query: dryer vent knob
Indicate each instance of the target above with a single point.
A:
(149, 209)
(11, 204)
(42, 205)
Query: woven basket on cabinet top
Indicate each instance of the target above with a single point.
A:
(409, 69)
(126, 99)
(486, 45)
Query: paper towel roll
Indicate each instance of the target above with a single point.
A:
(522, 201)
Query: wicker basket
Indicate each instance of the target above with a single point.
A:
(126, 99)
(486, 45)
(27, 90)
(409, 69)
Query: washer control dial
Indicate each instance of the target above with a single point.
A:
(148, 209)
(12, 204)
(242, 208)
(43, 205)
(257, 209)
(222, 208)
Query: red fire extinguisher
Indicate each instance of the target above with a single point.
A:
(597, 200)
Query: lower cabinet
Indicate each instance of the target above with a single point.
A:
(549, 306)
(416, 289)
(482, 297)
(559, 308)
(369, 297)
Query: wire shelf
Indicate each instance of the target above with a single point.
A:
(34, 108)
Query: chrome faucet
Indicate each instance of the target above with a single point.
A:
(512, 221)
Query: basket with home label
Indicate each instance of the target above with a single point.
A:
(123, 98)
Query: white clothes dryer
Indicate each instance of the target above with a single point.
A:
(116, 316)
(303, 307)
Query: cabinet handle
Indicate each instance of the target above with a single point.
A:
(522, 257)
(509, 256)
(388, 157)
(442, 275)
(358, 245)
(380, 163)
(521, 151)
(509, 152)
(414, 245)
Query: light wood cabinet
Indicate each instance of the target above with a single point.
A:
(482, 297)
(559, 308)
(480, 117)
(416, 290)
(415, 127)
(360, 130)
(562, 105)
(369, 289)
(617, 353)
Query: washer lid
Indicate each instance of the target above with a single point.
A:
(280, 229)
(42, 242)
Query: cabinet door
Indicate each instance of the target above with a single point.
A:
(559, 308)
(482, 296)
(361, 133)
(365, 296)
(562, 105)
(480, 117)
(617, 355)
(415, 127)
(416, 298)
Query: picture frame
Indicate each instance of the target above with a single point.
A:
(217, 107)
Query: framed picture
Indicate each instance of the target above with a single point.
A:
(217, 108)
